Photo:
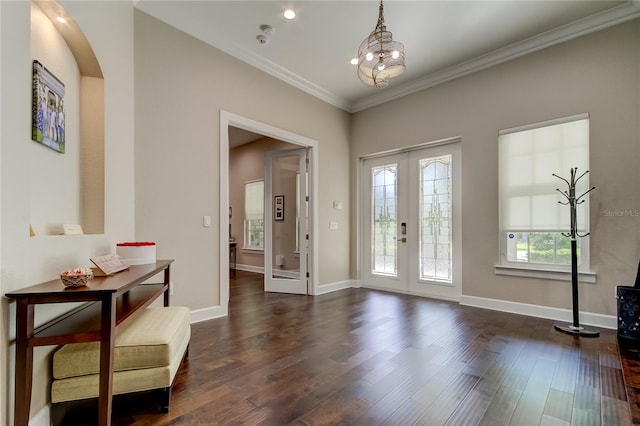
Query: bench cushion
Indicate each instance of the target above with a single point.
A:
(127, 381)
(153, 339)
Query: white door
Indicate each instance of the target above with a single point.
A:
(411, 222)
(286, 222)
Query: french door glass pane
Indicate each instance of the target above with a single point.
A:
(435, 219)
(384, 216)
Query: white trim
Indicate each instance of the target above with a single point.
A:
(205, 314)
(254, 250)
(608, 18)
(229, 119)
(427, 295)
(277, 273)
(250, 268)
(565, 315)
(340, 285)
(547, 123)
(548, 274)
(42, 417)
(223, 277)
(403, 150)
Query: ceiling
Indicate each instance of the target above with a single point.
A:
(443, 39)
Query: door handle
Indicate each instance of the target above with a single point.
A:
(403, 239)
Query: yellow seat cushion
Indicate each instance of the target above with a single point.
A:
(153, 339)
(84, 387)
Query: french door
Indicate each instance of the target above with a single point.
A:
(286, 222)
(411, 222)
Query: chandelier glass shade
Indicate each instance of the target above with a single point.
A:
(380, 57)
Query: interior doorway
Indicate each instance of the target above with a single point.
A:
(235, 125)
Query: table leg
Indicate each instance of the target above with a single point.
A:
(24, 362)
(107, 341)
(167, 280)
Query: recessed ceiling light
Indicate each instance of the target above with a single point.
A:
(289, 13)
(354, 61)
(61, 20)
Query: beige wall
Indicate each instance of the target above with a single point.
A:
(181, 86)
(92, 155)
(597, 74)
(26, 261)
(246, 164)
(55, 183)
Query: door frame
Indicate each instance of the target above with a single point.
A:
(457, 253)
(228, 119)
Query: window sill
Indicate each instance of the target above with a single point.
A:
(549, 274)
(253, 250)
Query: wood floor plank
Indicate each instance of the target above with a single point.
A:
(615, 412)
(472, 408)
(530, 406)
(559, 405)
(504, 402)
(366, 358)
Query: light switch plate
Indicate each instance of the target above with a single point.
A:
(206, 221)
(333, 225)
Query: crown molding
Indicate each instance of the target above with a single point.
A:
(280, 73)
(625, 12)
(597, 22)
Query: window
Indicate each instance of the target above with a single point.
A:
(254, 215)
(531, 218)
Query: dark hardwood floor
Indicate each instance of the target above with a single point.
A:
(362, 357)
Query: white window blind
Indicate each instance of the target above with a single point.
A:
(528, 158)
(254, 200)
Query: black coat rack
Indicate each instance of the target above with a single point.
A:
(573, 201)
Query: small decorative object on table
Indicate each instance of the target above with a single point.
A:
(137, 252)
(77, 277)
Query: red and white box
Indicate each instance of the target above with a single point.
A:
(137, 252)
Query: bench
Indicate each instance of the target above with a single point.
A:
(147, 354)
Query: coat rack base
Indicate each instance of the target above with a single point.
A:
(576, 331)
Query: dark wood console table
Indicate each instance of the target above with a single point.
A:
(115, 300)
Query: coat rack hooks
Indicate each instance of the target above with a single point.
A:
(570, 194)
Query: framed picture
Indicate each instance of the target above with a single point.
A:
(278, 207)
(47, 112)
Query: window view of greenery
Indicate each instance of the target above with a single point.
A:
(255, 233)
(539, 247)
(254, 215)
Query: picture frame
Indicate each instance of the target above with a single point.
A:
(47, 112)
(278, 207)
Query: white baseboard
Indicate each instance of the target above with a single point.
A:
(250, 268)
(42, 418)
(565, 315)
(205, 314)
(340, 285)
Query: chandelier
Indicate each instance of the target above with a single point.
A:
(379, 56)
